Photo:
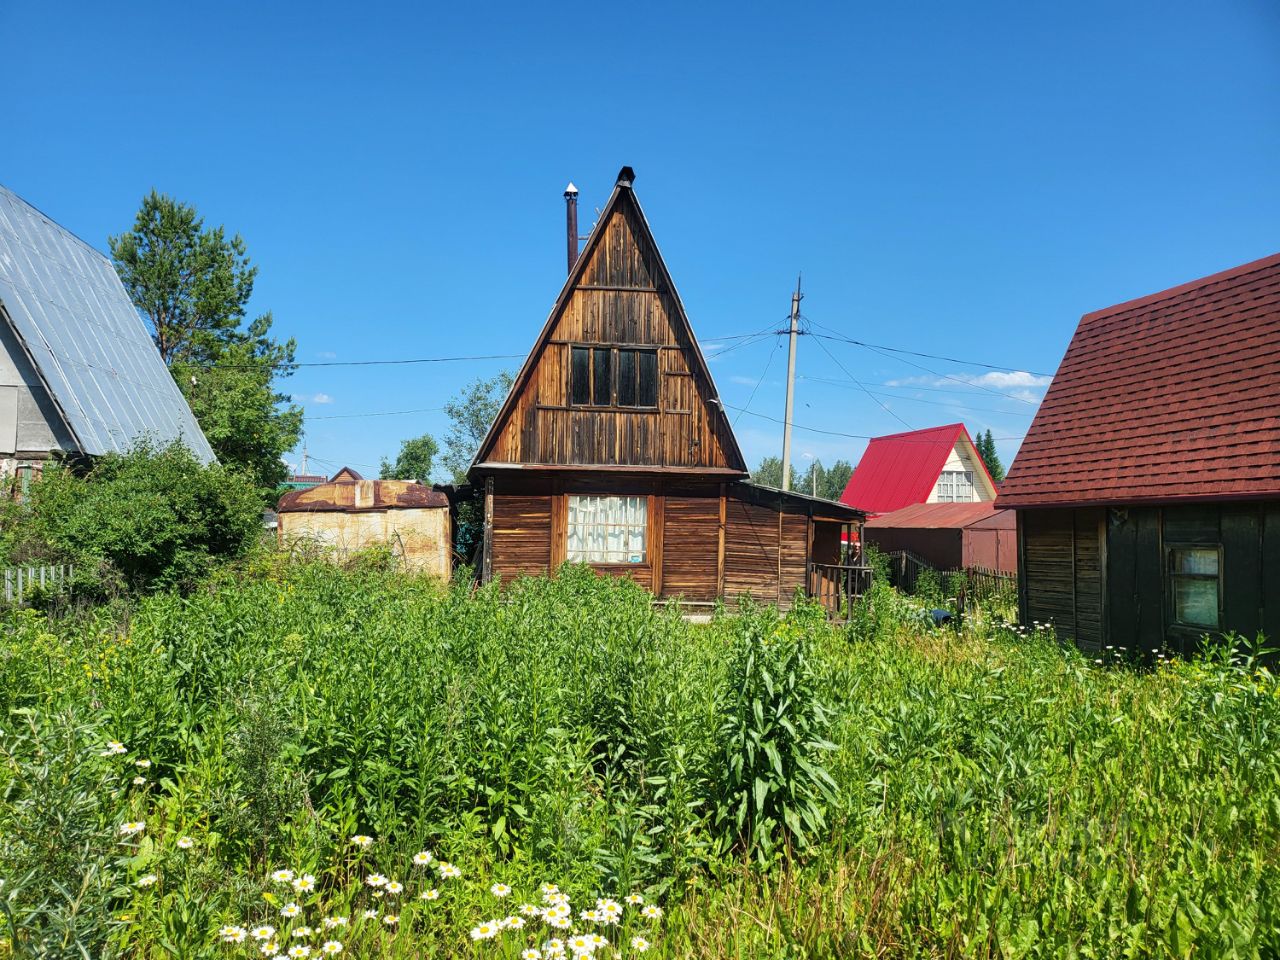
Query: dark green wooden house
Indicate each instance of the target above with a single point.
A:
(1147, 490)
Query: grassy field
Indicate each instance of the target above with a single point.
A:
(422, 762)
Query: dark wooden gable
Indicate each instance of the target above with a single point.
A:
(618, 297)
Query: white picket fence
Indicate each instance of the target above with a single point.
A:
(19, 581)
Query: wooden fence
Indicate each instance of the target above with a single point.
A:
(836, 586)
(978, 583)
(20, 581)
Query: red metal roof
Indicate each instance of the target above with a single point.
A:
(934, 516)
(1172, 397)
(902, 468)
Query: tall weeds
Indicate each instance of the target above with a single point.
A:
(784, 787)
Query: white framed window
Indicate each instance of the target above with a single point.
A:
(955, 486)
(607, 529)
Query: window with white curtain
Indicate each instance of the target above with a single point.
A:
(955, 486)
(607, 529)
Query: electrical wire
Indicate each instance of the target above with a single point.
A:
(883, 406)
(763, 374)
(839, 433)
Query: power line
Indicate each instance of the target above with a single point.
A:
(362, 363)
(937, 403)
(838, 433)
(760, 381)
(835, 335)
(378, 413)
(918, 366)
(883, 406)
(894, 386)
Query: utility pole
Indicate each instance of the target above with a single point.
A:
(791, 388)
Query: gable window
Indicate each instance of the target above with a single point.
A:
(613, 377)
(1195, 585)
(607, 529)
(955, 486)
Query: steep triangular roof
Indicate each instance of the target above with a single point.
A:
(901, 469)
(1171, 397)
(88, 345)
(621, 202)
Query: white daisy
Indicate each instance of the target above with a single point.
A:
(232, 934)
(264, 932)
(530, 954)
(635, 899)
(331, 947)
(391, 919)
(376, 880)
(370, 915)
(114, 747)
(300, 951)
(639, 944)
(421, 858)
(448, 871)
(139, 781)
(394, 887)
(362, 841)
(185, 843)
(146, 880)
(290, 910)
(485, 931)
(131, 827)
(142, 764)
(431, 894)
(301, 933)
(282, 876)
(651, 912)
(330, 922)
(305, 883)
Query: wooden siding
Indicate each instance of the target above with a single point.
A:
(619, 299)
(705, 539)
(1138, 609)
(690, 547)
(1061, 578)
(521, 535)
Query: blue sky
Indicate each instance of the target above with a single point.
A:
(956, 179)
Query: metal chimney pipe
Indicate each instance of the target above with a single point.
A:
(571, 222)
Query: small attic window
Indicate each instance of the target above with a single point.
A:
(613, 377)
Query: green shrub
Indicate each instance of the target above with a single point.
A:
(154, 518)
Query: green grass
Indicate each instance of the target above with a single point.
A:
(779, 786)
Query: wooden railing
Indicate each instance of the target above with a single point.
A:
(20, 581)
(836, 586)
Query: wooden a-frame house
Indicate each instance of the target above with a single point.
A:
(613, 448)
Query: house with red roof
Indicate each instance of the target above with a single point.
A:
(1147, 490)
(937, 465)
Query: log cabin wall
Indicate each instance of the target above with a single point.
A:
(705, 539)
(1060, 581)
(620, 298)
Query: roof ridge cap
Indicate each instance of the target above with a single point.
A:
(1231, 273)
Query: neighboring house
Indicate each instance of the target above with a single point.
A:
(613, 447)
(1148, 487)
(304, 481)
(348, 514)
(937, 465)
(950, 536)
(79, 374)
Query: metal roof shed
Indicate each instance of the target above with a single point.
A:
(79, 372)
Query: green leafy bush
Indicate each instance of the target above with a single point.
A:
(154, 518)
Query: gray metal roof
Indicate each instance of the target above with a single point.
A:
(89, 344)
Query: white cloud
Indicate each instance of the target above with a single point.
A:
(327, 355)
(322, 398)
(1002, 380)
(746, 381)
(1013, 383)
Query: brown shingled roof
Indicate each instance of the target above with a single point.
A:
(353, 496)
(1173, 397)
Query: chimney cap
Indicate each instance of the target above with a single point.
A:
(626, 177)
(570, 190)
